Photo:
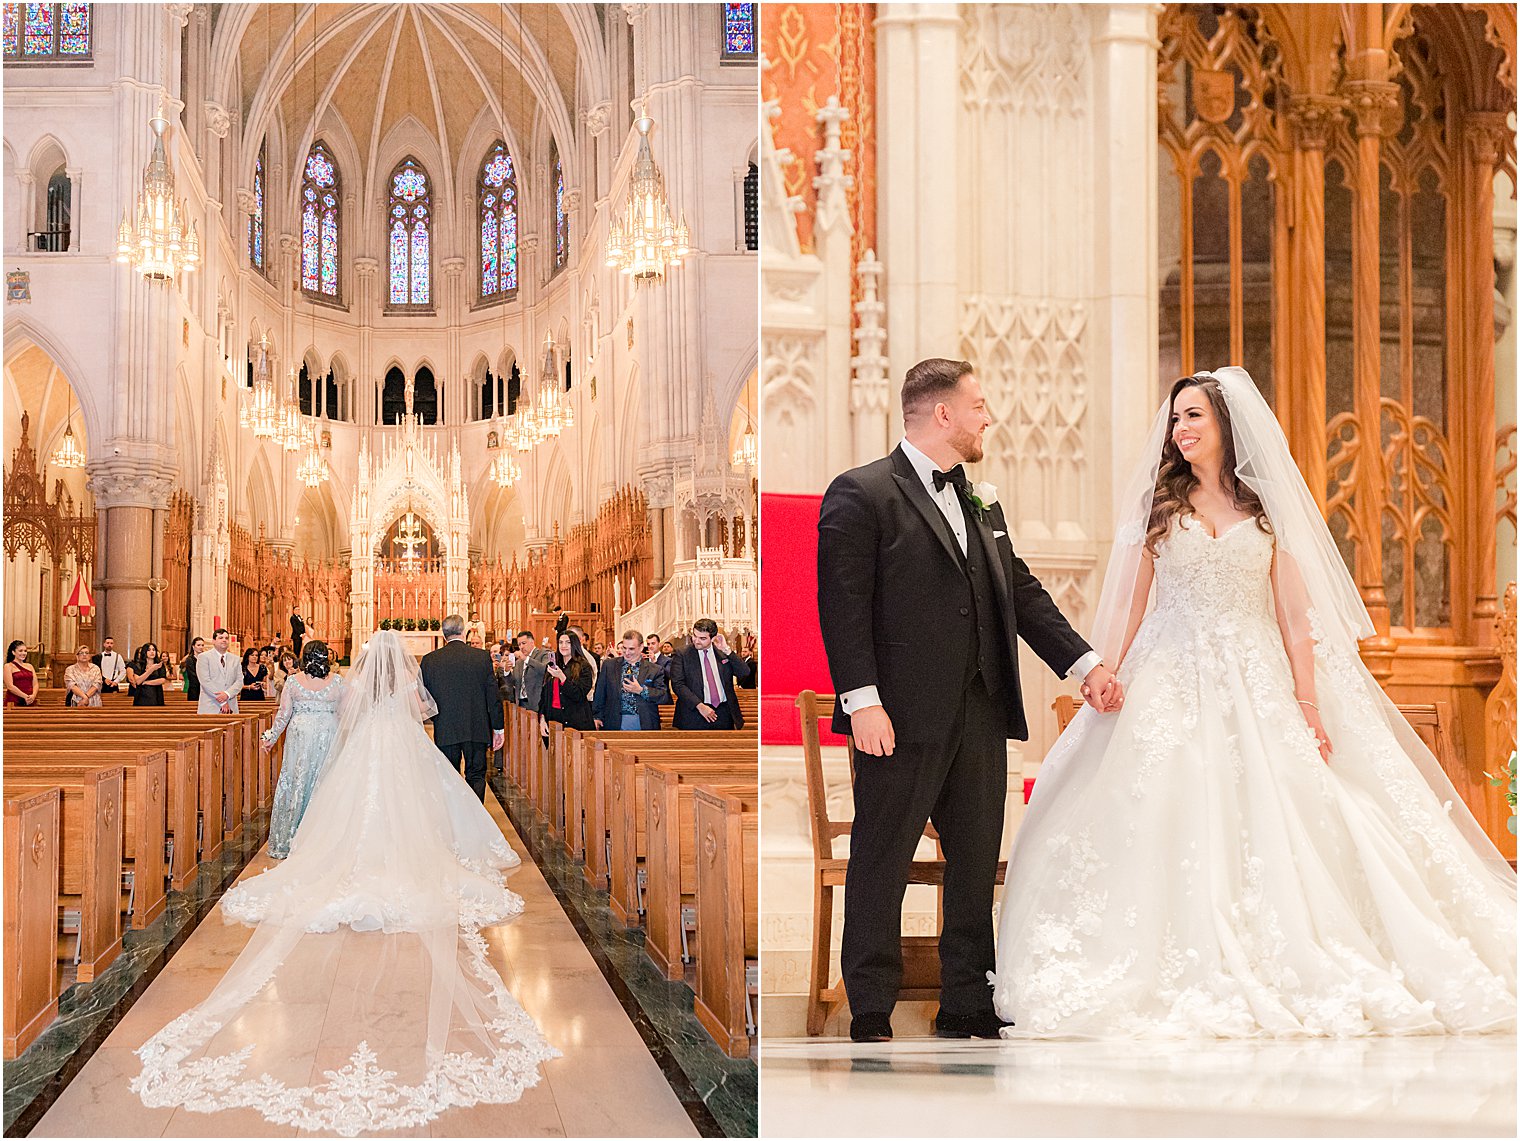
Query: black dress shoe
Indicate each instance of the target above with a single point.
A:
(983, 1025)
(871, 1028)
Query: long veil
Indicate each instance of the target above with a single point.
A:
(1316, 593)
(365, 999)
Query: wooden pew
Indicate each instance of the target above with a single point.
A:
(33, 822)
(182, 783)
(670, 860)
(90, 857)
(592, 784)
(144, 797)
(626, 841)
(728, 923)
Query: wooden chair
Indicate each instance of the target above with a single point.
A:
(920, 952)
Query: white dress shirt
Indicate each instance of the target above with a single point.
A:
(704, 659)
(113, 667)
(945, 499)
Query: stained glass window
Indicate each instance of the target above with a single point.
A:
(320, 224)
(41, 33)
(739, 31)
(496, 192)
(410, 229)
(256, 218)
(561, 218)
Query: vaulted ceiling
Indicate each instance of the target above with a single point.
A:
(375, 65)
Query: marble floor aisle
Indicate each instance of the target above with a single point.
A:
(606, 1084)
(1389, 1087)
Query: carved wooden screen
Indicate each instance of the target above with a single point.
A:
(245, 608)
(1222, 231)
(175, 615)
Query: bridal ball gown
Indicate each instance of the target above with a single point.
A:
(1191, 867)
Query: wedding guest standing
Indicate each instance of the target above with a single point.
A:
(566, 696)
(220, 676)
(297, 630)
(527, 676)
(629, 689)
(20, 678)
(82, 681)
(187, 670)
(309, 710)
(702, 677)
(254, 676)
(113, 667)
(147, 675)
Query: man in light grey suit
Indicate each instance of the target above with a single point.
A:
(221, 676)
(527, 672)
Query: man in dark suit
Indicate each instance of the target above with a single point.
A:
(652, 652)
(702, 677)
(297, 630)
(629, 689)
(527, 671)
(469, 720)
(922, 601)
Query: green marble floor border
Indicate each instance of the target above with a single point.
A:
(88, 1012)
(721, 1094)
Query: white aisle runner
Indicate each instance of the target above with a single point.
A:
(606, 1084)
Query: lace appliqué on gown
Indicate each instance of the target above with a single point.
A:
(1191, 867)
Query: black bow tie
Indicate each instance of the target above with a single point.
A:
(956, 476)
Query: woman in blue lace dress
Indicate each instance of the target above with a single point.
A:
(309, 708)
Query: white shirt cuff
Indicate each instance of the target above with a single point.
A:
(858, 699)
(1084, 665)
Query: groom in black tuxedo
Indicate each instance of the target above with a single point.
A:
(922, 602)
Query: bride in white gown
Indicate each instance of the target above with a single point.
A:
(367, 938)
(1255, 843)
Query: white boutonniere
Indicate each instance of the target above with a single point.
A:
(983, 496)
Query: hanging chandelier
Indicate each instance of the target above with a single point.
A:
(645, 242)
(747, 454)
(68, 453)
(505, 470)
(313, 471)
(157, 244)
(259, 412)
(553, 411)
(291, 430)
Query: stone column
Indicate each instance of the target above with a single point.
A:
(76, 216)
(1375, 105)
(1125, 322)
(218, 126)
(450, 408)
(1312, 117)
(918, 167)
(1483, 137)
(127, 491)
(28, 207)
(362, 408)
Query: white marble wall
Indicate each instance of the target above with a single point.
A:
(1017, 229)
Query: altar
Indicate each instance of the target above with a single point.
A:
(418, 642)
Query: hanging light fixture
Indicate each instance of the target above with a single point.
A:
(313, 471)
(68, 453)
(156, 244)
(644, 243)
(293, 433)
(551, 408)
(504, 469)
(747, 454)
(259, 411)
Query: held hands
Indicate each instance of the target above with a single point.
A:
(1103, 690)
(872, 730)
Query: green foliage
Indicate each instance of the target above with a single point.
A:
(1506, 781)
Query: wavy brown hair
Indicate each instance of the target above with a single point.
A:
(1175, 481)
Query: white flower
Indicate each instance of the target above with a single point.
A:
(986, 492)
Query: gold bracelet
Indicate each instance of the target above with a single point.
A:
(1310, 704)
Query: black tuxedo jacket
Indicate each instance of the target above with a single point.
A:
(895, 603)
(463, 683)
(686, 685)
